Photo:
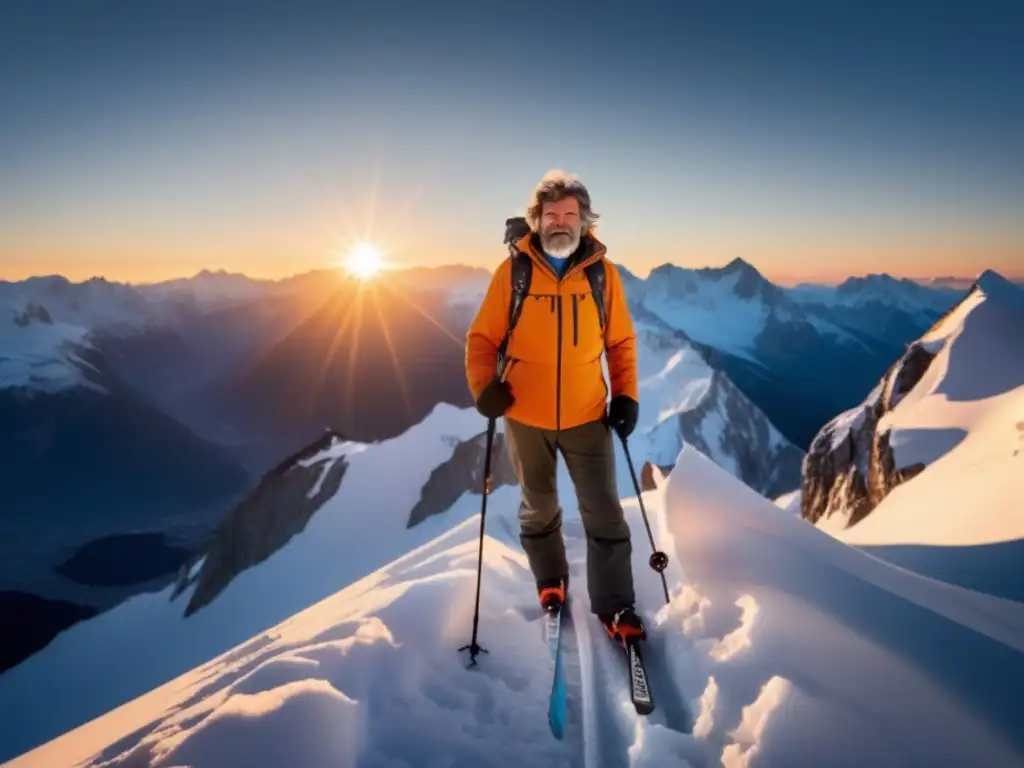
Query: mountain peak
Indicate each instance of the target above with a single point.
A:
(740, 266)
(997, 287)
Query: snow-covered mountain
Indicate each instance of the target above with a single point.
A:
(104, 489)
(889, 311)
(776, 350)
(780, 646)
(324, 517)
(684, 400)
(733, 309)
(953, 401)
(162, 340)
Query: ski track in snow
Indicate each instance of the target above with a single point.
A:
(611, 733)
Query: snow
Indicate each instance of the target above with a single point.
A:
(709, 311)
(790, 501)
(781, 646)
(42, 356)
(969, 396)
(360, 529)
(673, 379)
(968, 496)
(957, 518)
(39, 355)
(712, 307)
(844, 424)
(809, 646)
(676, 383)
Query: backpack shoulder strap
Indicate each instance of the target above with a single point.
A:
(521, 273)
(596, 275)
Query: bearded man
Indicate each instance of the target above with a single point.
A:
(551, 392)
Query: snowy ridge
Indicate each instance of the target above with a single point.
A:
(963, 413)
(965, 374)
(359, 528)
(683, 399)
(743, 660)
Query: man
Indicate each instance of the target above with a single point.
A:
(554, 399)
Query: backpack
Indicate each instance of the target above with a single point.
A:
(522, 274)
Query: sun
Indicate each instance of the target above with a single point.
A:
(365, 261)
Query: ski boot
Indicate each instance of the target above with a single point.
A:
(624, 626)
(552, 594)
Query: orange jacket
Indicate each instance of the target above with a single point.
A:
(554, 353)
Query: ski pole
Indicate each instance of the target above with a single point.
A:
(473, 647)
(659, 560)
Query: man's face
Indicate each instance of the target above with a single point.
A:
(560, 226)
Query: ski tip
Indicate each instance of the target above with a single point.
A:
(643, 707)
(557, 729)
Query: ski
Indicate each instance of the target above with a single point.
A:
(639, 690)
(557, 700)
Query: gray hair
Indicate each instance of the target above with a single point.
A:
(556, 185)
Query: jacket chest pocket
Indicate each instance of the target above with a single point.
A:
(585, 322)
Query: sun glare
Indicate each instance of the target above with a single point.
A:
(364, 261)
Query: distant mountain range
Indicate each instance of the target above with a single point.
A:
(799, 354)
(137, 416)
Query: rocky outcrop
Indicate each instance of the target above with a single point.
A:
(651, 475)
(279, 508)
(729, 429)
(849, 468)
(463, 472)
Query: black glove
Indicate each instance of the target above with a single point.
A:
(495, 399)
(622, 415)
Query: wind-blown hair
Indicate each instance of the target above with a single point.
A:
(555, 185)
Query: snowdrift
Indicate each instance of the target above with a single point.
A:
(781, 647)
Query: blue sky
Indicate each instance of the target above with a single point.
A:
(148, 140)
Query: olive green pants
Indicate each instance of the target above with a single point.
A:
(590, 459)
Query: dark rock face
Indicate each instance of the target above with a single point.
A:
(123, 559)
(464, 471)
(850, 468)
(29, 622)
(647, 481)
(278, 509)
(33, 312)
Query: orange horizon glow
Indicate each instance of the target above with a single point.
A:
(818, 267)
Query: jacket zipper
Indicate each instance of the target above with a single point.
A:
(558, 374)
(575, 321)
